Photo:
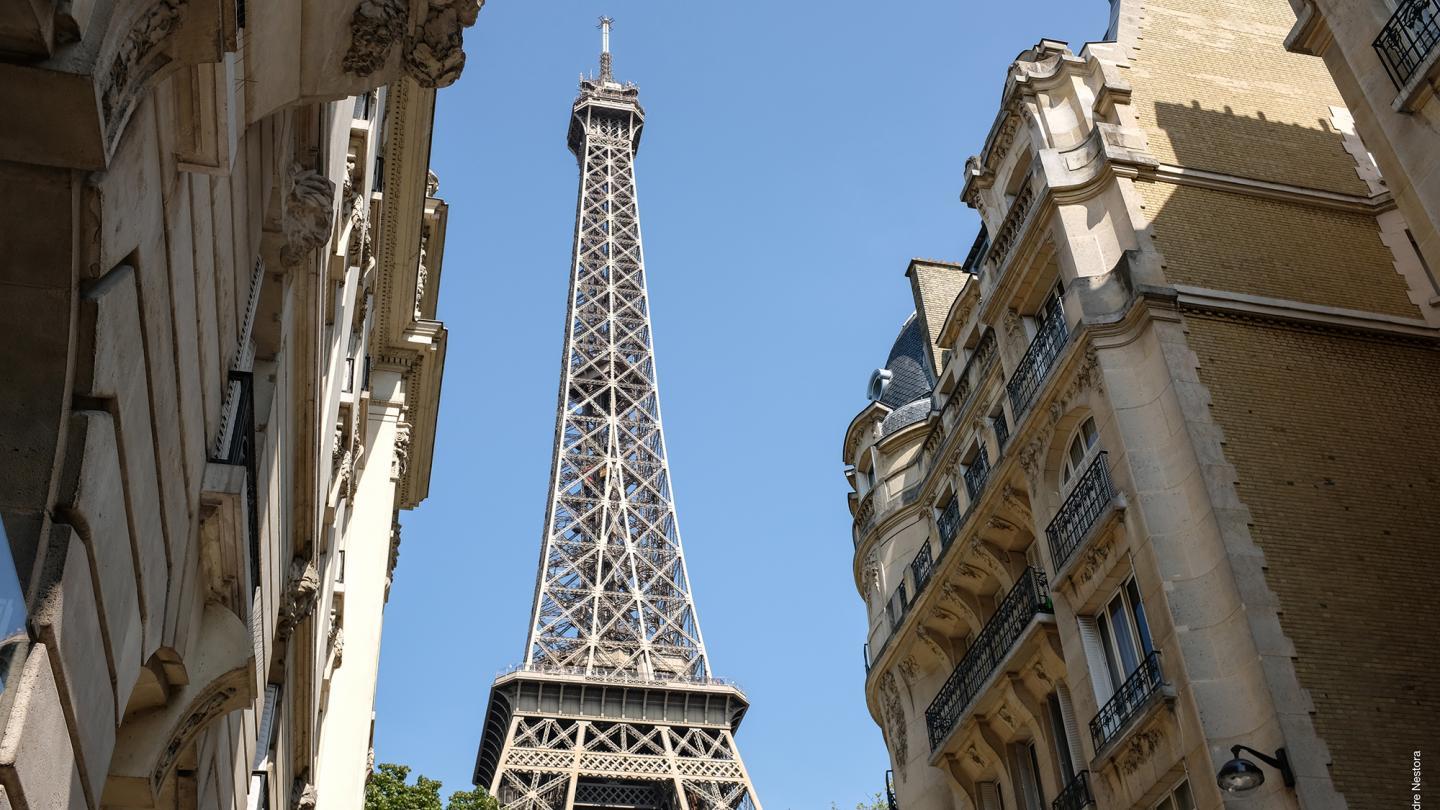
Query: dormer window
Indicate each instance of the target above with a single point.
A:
(879, 381)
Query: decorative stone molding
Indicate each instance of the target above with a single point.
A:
(138, 58)
(394, 558)
(909, 670)
(422, 274)
(1013, 327)
(400, 462)
(432, 184)
(300, 596)
(308, 211)
(1092, 562)
(1138, 749)
(870, 574)
(434, 54)
(1010, 496)
(894, 714)
(1003, 712)
(928, 639)
(375, 27)
(302, 795)
(218, 702)
(1042, 675)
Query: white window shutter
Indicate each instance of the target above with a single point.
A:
(990, 796)
(1094, 650)
(1072, 728)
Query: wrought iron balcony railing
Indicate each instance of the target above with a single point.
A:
(949, 522)
(976, 475)
(922, 567)
(1027, 599)
(890, 790)
(1408, 39)
(1093, 491)
(1128, 700)
(1075, 795)
(1034, 367)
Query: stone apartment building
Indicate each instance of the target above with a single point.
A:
(1384, 56)
(220, 255)
(1155, 471)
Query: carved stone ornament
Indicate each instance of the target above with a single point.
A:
(1138, 749)
(400, 462)
(375, 27)
(434, 54)
(207, 708)
(894, 714)
(870, 574)
(300, 596)
(1092, 561)
(394, 558)
(432, 184)
(909, 669)
(1011, 497)
(138, 58)
(308, 213)
(1006, 717)
(369, 764)
(302, 795)
(1042, 675)
(969, 571)
(1013, 327)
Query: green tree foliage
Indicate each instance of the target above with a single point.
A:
(476, 799)
(388, 790)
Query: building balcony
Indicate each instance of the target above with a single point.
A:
(1076, 795)
(976, 475)
(949, 522)
(993, 649)
(1091, 500)
(1033, 369)
(1409, 42)
(1144, 689)
(998, 250)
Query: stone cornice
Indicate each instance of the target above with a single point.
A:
(1185, 176)
(1310, 316)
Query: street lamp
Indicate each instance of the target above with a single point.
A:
(1240, 775)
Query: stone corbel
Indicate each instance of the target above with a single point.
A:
(300, 597)
(309, 209)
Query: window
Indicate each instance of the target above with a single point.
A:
(1085, 438)
(1060, 735)
(1179, 798)
(1123, 637)
(1027, 774)
(879, 381)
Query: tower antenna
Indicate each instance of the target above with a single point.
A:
(605, 23)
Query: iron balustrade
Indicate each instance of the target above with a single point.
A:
(890, 790)
(1075, 795)
(1093, 491)
(922, 566)
(949, 522)
(1408, 39)
(976, 474)
(1026, 600)
(1034, 367)
(1128, 700)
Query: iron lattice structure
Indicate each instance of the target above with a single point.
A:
(615, 706)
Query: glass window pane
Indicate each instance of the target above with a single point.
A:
(1165, 804)
(1142, 627)
(1110, 662)
(1124, 640)
(1183, 799)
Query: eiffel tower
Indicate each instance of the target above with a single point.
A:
(615, 705)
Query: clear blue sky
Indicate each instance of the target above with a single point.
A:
(796, 155)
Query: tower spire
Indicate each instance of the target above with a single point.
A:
(605, 75)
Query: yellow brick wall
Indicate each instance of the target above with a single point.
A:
(1236, 242)
(1216, 90)
(1337, 455)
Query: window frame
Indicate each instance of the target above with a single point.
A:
(1069, 472)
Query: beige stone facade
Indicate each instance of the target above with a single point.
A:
(221, 260)
(1168, 482)
(1384, 56)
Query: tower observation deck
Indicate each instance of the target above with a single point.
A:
(615, 705)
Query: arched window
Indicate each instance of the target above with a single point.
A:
(1085, 438)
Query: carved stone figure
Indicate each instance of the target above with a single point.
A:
(308, 213)
(394, 557)
(433, 53)
(400, 462)
(300, 596)
(375, 27)
(894, 713)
